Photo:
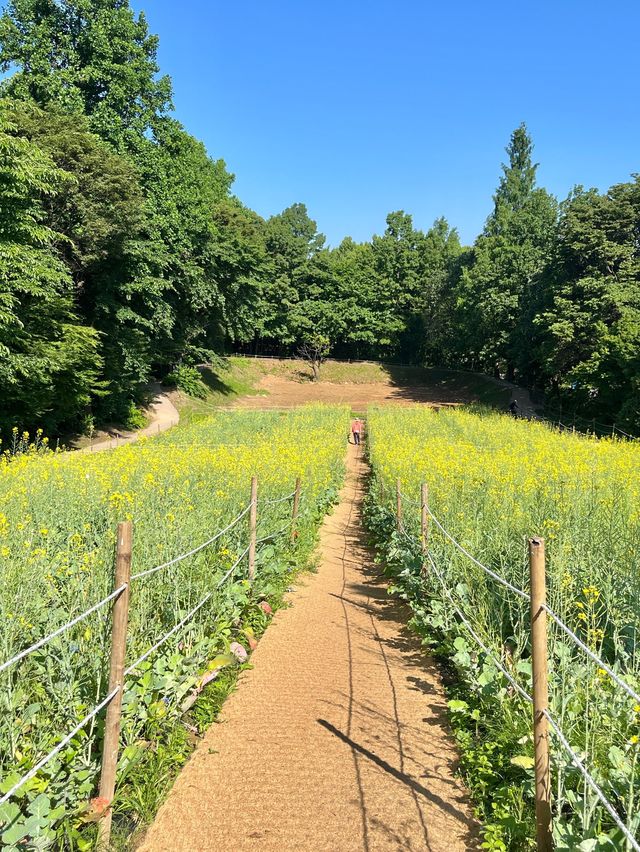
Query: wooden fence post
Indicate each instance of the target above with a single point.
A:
(424, 515)
(253, 523)
(398, 506)
(120, 620)
(540, 694)
(296, 506)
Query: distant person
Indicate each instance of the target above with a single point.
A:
(356, 430)
(514, 408)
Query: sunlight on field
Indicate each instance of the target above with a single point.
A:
(493, 482)
(58, 516)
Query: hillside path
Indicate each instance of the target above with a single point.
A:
(161, 413)
(336, 739)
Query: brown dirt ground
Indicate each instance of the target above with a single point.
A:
(337, 738)
(284, 393)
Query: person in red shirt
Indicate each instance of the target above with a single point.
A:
(357, 428)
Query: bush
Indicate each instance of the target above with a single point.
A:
(188, 380)
(134, 418)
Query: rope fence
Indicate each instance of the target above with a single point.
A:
(539, 700)
(120, 597)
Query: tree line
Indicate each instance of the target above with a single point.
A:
(125, 254)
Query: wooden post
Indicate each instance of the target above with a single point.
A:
(540, 694)
(398, 506)
(424, 515)
(120, 619)
(296, 506)
(253, 522)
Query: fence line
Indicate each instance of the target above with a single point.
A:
(522, 692)
(540, 710)
(114, 594)
(477, 562)
(591, 781)
(556, 618)
(128, 671)
(596, 659)
(43, 762)
(195, 549)
(264, 502)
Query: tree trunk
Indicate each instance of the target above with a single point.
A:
(316, 369)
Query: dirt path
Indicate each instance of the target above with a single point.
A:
(162, 415)
(336, 739)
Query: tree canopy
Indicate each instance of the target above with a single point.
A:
(124, 253)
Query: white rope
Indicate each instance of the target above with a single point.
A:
(509, 677)
(114, 594)
(488, 571)
(168, 635)
(575, 759)
(35, 769)
(233, 567)
(187, 617)
(596, 659)
(591, 782)
(195, 549)
(279, 500)
(273, 534)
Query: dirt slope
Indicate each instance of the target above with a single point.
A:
(281, 392)
(337, 738)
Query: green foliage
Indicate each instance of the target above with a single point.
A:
(495, 289)
(147, 262)
(49, 361)
(92, 57)
(588, 318)
(187, 379)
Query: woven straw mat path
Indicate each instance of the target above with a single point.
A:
(337, 738)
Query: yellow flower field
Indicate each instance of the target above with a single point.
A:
(493, 482)
(58, 518)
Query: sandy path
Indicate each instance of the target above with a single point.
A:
(336, 739)
(162, 415)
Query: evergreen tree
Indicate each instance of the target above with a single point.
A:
(496, 289)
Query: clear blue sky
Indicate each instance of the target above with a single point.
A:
(359, 108)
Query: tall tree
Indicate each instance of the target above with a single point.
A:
(588, 318)
(49, 360)
(91, 56)
(292, 241)
(516, 243)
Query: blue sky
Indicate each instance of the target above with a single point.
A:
(359, 108)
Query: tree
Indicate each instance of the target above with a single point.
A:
(315, 349)
(49, 360)
(496, 288)
(92, 57)
(292, 241)
(587, 323)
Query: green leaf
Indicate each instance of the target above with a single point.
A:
(40, 806)
(8, 812)
(523, 761)
(14, 833)
(458, 706)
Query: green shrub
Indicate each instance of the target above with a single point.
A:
(188, 380)
(134, 418)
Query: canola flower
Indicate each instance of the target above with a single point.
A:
(58, 518)
(493, 482)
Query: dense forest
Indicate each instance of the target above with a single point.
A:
(124, 253)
